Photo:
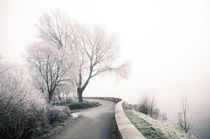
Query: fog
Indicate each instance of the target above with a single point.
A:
(167, 43)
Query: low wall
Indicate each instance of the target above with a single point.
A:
(125, 129)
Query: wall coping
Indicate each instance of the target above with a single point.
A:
(125, 128)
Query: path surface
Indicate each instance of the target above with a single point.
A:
(93, 123)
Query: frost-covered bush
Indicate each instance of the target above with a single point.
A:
(58, 113)
(148, 106)
(22, 108)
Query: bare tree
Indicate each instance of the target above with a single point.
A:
(184, 122)
(94, 51)
(49, 67)
(148, 106)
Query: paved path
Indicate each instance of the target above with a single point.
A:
(93, 123)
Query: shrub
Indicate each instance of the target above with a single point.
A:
(17, 121)
(83, 105)
(148, 106)
(24, 112)
(64, 102)
(58, 113)
(22, 108)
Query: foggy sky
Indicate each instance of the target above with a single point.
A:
(168, 43)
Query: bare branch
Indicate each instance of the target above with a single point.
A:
(184, 122)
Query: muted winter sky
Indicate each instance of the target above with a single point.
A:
(168, 43)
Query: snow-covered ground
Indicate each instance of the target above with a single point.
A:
(75, 115)
(152, 128)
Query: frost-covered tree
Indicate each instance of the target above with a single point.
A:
(49, 68)
(94, 51)
(3, 67)
(96, 54)
(54, 29)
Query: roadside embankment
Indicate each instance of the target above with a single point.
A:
(125, 129)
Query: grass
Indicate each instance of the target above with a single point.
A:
(56, 128)
(144, 127)
(83, 105)
(152, 128)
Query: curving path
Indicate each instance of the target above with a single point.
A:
(93, 123)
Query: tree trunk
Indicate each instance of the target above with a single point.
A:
(79, 92)
(80, 89)
(49, 97)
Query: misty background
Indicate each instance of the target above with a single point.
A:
(166, 41)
